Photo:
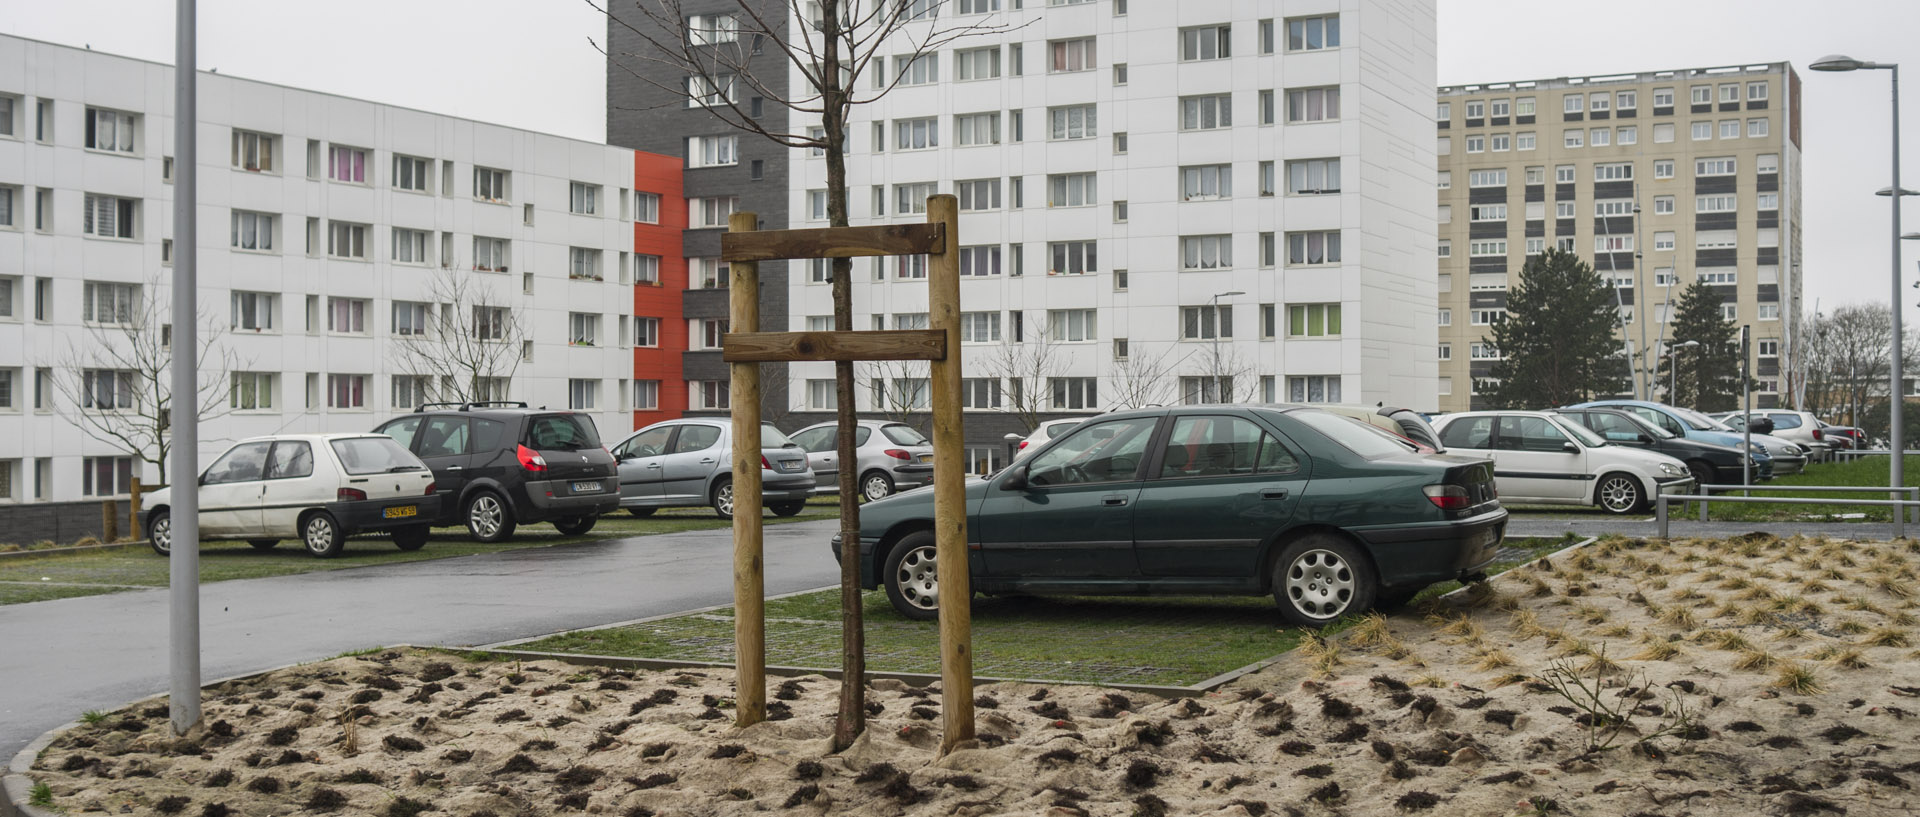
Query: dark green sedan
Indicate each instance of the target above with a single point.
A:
(1330, 515)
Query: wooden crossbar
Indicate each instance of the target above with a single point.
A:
(774, 347)
(833, 242)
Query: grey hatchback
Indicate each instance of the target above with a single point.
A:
(689, 462)
(888, 457)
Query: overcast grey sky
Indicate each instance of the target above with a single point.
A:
(529, 64)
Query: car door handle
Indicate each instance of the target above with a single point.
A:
(653, 465)
(709, 459)
(1274, 493)
(1114, 501)
(453, 467)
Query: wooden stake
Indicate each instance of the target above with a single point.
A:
(749, 585)
(133, 512)
(109, 521)
(949, 483)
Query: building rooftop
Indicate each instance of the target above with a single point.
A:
(1615, 79)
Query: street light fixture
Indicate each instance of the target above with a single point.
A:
(1673, 368)
(1896, 470)
(1888, 191)
(1219, 393)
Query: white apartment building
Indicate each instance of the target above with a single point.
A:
(1152, 181)
(326, 227)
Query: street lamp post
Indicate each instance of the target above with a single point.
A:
(1673, 369)
(1896, 471)
(1219, 394)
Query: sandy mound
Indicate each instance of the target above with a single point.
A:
(1754, 676)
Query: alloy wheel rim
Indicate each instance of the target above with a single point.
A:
(1619, 494)
(918, 578)
(1320, 584)
(319, 531)
(485, 517)
(162, 534)
(725, 499)
(877, 487)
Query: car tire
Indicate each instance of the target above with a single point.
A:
(264, 544)
(721, 498)
(1702, 474)
(788, 508)
(876, 485)
(913, 586)
(160, 533)
(411, 537)
(642, 513)
(1321, 577)
(322, 535)
(577, 525)
(1620, 494)
(488, 517)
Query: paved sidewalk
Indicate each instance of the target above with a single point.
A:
(1679, 527)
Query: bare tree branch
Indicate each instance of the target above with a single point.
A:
(471, 342)
(1024, 369)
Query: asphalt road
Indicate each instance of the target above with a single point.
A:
(61, 658)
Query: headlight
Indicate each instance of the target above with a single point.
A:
(1670, 469)
(1756, 448)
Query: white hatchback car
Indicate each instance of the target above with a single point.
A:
(318, 488)
(1548, 459)
(1047, 431)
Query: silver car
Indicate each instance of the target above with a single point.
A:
(688, 463)
(1046, 431)
(1793, 426)
(888, 457)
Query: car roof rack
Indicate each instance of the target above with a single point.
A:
(487, 403)
(426, 406)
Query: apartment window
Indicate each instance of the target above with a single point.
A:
(1613, 243)
(980, 327)
(107, 389)
(106, 476)
(583, 329)
(347, 315)
(1201, 252)
(1702, 131)
(1313, 320)
(646, 208)
(921, 70)
(1501, 143)
(1523, 141)
(1446, 180)
(1483, 351)
(1071, 393)
(817, 205)
(1073, 122)
(1445, 317)
(1313, 248)
(909, 267)
(1663, 132)
(1663, 97)
(979, 393)
(1203, 182)
(1266, 250)
(709, 273)
(1313, 33)
(1767, 163)
(1729, 128)
(1487, 317)
(410, 390)
(1536, 246)
(1500, 108)
(104, 303)
(1563, 174)
(1613, 172)
(346, 391)
(1563, 209)
(1663, 276)
(1200, 390)
(977, 63)
(410, 173)
(409, 246)
(1719, 203)
(1445, 352)
(1446, 248)
(711, 92)
(1629, 135)
(1756, 128)
(1320, 176)
(1206, 322)
(1768, 312)
(252, 231)
(109, 216)
(1016, 59)
(1717, 166)
(1443, 146)
(1496, 177)
(1072, 325)
(1314, 389)
(712, 29)
(1443, 112)
(1573, 103)
(347, 240)
(253, 151)
(981, 261)
(1119, 280)
(911, 199)
(1663, 241)
(1487, 212)
(583, 264)
(1767, 201)
(1716, 239)
(1070, 55)
(1120, 143)
(978, 194)
(916, 134)
(1476, 109)
(1483, 249)
(1268, 322)
(1266, 178)
(1071, 190)
(1313, 104)
(1119, 73)
(253, 311)
(583, 199)
(1206, 112)
(1072, 257)
(251, 391)
(1663, 168)
(1445, 214)
(1702, 94)
(347, 164)
(1206, 43)
(1574, 138)
(712, 211)
(110, 130)
(1476, 144)
(1266, 36)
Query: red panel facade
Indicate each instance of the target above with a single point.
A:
(660, 175)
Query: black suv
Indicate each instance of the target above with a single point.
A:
(499, 464)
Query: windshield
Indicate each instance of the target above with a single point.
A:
(771, 437)
(1649, 429)
(1381, 432)
(904, 434)
(1343, 430)
(1700, 422)
(374, 455)
(1581, 433)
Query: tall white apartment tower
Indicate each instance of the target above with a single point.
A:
(1153, 181)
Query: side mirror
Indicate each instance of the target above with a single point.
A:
(203, 479)
(1645, 440)
(1016, 478)
(1569, 447)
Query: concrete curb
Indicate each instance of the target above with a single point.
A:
(70, 551)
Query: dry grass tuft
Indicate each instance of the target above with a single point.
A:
(1887, 637)
(1494, 659)
(1537, 588)
(1658, 650)
(1599, 664)
(1681, 617)
(1751, 616)
(1755, 659)
(1849, 659)
(1433, 681)
(1861, 604)
(1615, 631)
(1465, 630)
(1509, 680)
(1574, 646)
(1903, 619)
(1756, 593)
(1789, 634)
(1852, 626)
(1371, 632)
(1736, 583)
(1724, 610)
(1322, 655)
(1815, 586)
(1590, 614)
(1526, 625)
(1798, 678)
(1895, 586)
(1727, 640)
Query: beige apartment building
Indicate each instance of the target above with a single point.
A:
(1657, 179)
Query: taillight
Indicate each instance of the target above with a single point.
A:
(764, 465)
(431, 486)
(1817, 435)
(530, 459)
(1448, 497)
(350, 494)
(1023, 446)
(898, 454)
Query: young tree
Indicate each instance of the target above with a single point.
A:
(1144, 377)
(1556, 341)
(466, 340)
(1219, 374)
(1025, 367)
(1849, 352)
(117, 383)
(827, 47)
(1706, 377)
(900, 389)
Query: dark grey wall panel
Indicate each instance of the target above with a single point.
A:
(1483, 230)
(1563, 192)
(1716, 221)
(704, 365)
(1537, 228)
(1767, 256)
(1486, 195)
(1715, 258)
(1613, 225)
(1716, 184)
(1768, 293)
(1536, 192)
(1487, 264)
(1613, 190)
(1487, 299)
(1767, 182)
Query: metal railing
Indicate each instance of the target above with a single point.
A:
(1912, 501)
(1849, 453)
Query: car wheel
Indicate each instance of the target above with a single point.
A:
(876, 485)
(488, 518)
(1619, 493)
(1321, 577)
(789, 508)
(912, 584)
(412, 537)
(722, 499)
(1702, 474)
(322, 535)
(575, 526)
(160, 533)
(264, 544)
(642, 512)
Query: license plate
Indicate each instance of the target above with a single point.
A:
(401, 511)
(926, 458)
(585, 487)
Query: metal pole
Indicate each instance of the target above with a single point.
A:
(183, 571)
(1216, 353)
(1673, 375)
(1894, 397)
(1746, 404)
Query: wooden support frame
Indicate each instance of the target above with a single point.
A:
(745, 347)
